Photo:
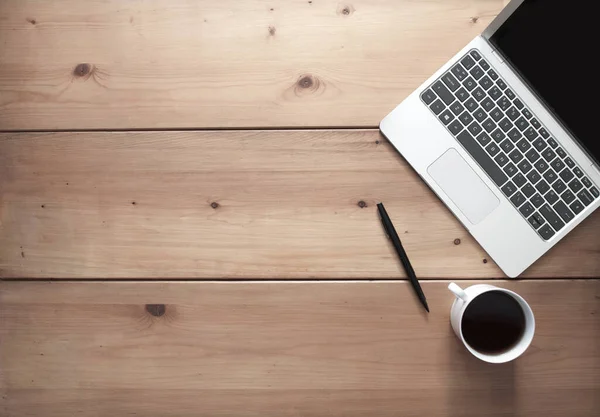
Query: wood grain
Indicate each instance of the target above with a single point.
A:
(109, 64)
(285, 349)
(261, 204)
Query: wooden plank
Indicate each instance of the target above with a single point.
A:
(285, 349)
(109, 64)
(287, 204)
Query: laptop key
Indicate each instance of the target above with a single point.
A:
(539, 144)
(505, 124)
(551, 197)
(550, 176)
(566, 175)
(595, 192)
(568, 196)
(517, 199)
(514, 134)
(484, 65)
(504, 103)
(479, 114)
(557, 164)
(577, 207)
(492, 149)
(569, 162)
(541, 166)
(509, 189)
(498, 135)
(526, 209)
(544, 133)
(479, 155)
(528, 190)
(548, 154)
(485, 82)
(507, 145)
(513, 113)
(457, 108)
(532, 155)
(476, 72)
(563, 211)
(533, 176)
(519, 104)
(493, 75)
(515, 156)
(578, 172)
(495, 93)
(487, 104)
(496, 114)
(524, 166)
(542, 187)
(575, 185)
(459, 72)
(489, 125)
(474, 128)
(446, 116)
(522, 124)
(483, 139)
(428, 96)
(526, 113)
(467, 62)
(462, 94)
(561, 152)
(530, 133)
(501, 159)
(533, 220)
(471, 104)
(437, 107)
(585, 197)
(546, 232)
(475, 55)
(450, 81)
(537, 200)
(559, 186)
(519, 180)
(510, 169)
(469, 83)
(523, 145)
(509, 94)
(586, 181)
(465, 118)
(501, 84)
(443, 93)
(478, 93)
(455, 127)
(552, 143)
(551, 217)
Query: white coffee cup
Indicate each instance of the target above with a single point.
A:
(462, 301)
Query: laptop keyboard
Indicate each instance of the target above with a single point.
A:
(510, 144)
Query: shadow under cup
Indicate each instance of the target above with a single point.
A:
(496, 325)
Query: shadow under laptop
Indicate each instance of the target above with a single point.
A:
(478, 388)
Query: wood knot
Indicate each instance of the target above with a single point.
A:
(81, 70)
(305, 82)
(133, 203)
(474, 19)
(345, 9)
(361, 204)
(485, 261)
(272, 30)
(457, 241)
(214, 205)
(156, 310)
(31, 20)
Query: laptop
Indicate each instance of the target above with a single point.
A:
(506, 133)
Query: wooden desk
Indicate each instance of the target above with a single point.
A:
(199, 180)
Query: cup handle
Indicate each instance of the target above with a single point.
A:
(458, 292)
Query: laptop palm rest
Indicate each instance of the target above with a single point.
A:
(463, 186)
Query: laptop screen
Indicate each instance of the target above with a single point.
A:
(552, 45)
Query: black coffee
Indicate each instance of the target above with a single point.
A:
(493, 322)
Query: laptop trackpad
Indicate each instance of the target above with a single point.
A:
(463, 186)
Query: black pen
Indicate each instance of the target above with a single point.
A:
(391, 232)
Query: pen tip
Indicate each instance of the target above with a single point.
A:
(426, 306)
